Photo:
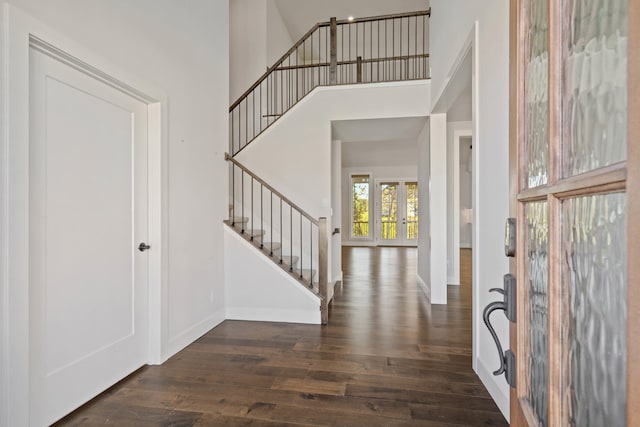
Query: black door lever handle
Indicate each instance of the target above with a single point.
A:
(143, 247)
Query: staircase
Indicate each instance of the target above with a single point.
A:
(368, 50)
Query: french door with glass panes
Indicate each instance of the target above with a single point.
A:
(575, 161)
(397, 212)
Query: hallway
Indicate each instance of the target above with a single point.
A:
(386, 359)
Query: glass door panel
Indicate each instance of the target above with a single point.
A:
(389, 212)
(411, 211)
(595, 242)
(595, 90)
(360, 206)
(397, 213)
(536, 93)
(537, 307)
(570, 92)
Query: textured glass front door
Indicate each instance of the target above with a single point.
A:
(573, 187)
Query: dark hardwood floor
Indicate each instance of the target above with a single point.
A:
(386, 359)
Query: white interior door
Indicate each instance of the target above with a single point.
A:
(88, 214)
(397, 212)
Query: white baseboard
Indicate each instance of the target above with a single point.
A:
(358, 243)
(466, 245)
(337, 278)
(453, 280)
(191, 334)
(497, 393)
(273, 315)
(425, 288)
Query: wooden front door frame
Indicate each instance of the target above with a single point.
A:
(624, 176)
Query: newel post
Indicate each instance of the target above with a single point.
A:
(323, 264)
(333, 58)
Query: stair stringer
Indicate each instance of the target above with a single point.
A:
(257, 289)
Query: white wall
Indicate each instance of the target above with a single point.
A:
(278, 38)
(409, 172)
(336, 219)
(247, 36)
(452, 23)
(258, 37)
(182, 50)
(464, 170)
(301, 139)
(424, 220)
(258, 289)
(380, 153)
(4, 282)
(454, 131)
(438, 207)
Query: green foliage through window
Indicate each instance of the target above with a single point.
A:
(360, 205)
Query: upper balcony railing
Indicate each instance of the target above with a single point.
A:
(367, 50)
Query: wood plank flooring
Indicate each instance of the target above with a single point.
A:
(387, 358)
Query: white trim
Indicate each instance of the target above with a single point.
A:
(20, 29)
(273, 315)
(474, 36)
(457, 136)
(424, 287)
(192, 333)
(361, 243)
(487, 378)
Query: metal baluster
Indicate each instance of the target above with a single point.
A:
(415, 48)
(400, 47)
(291, 236)
(271, 222)
(260, 109)
(246, 119)
(261, 215)
(319, 50)
(301, 277)
(371, 51)
(242, 191)
(281, 232)
(252, 215)
(233, 195)
(240, 144)
(311, 254)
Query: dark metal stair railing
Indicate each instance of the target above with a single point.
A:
(366, 50)
(253, 212)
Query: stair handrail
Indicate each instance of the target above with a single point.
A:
(321, 224)
(246, 123)
(278, 62)
(284, 198)
(306, 36)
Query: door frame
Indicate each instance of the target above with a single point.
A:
(630, 178)
(457, 140)
(21, 33)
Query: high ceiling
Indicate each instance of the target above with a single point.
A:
(300, 15)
